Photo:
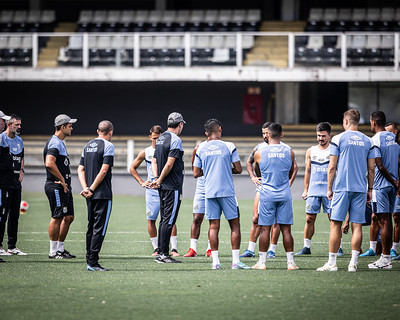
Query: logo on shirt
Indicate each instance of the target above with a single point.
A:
(93, 145)
(66, 163)
(213, 147)
(355, 141)
(355, 138)
(160, 140)
(275, 149)
(389, 138)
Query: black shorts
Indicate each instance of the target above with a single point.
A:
(61, 203)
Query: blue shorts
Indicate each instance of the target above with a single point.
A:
(228, 205)
(352, 202)
(199, 203)
(152, 204)
(397, 205)
(383, 200)
(313, 205)
(270, 212)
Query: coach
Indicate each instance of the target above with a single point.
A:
(94, 173)
(168, 171)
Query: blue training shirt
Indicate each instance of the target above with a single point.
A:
(385, 147)
(353, 149)
(319, 171)
(215, 158)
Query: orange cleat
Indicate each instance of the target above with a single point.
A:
(191, 253)
(208, 253)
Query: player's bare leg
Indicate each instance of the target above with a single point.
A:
(373, 237)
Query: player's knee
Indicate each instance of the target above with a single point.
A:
(197, 220)
(69, 219)
(396, 218)
(310, 220)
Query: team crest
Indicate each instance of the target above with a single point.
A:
(355, 138)
(66, 162)
(65, 209)
(196, 207)
(309, 207)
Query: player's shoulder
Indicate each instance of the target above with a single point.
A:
(54, 143)
(200, 146)
(337, 138)
(230, 145)
(285, 145)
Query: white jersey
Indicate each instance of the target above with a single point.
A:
(149, 154)
(319, 171)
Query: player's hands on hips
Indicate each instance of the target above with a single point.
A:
(64, 185)
(329, 194)
(304, 195)
(256, 181)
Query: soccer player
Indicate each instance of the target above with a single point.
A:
(315, 184)
(352, 156)
(214, 160)
(386, 184)
(152, 197)
(16, 146)
(392, 127)
(276, 163)
(168, 171)
(199, 209)
(58, 187)
(255, 178)
(6, 172)
(94, 173)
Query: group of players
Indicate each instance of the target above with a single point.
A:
(342, 175)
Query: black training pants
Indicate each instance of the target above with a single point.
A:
(12, 203)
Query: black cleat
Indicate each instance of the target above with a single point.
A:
(57, 255)
(1, 260)
(96, 267)
(162, 258)
(66, 254)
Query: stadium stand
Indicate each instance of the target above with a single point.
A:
(27, 21)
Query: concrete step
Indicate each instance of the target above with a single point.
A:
(285, 26)
(66, 27)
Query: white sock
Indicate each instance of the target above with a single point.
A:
(235, 256)
(215, 257)
(395, 246)
(307, 243)
(60, 246)
(193, 244)
(372, 245)
(272, 247)
(154, 242)
(53, 247)
(332, 258)
(354, 257)
(340, 243)
(263, 257)
(252, 246)
(289, 256)
(386, 258)
(174, 242)
(208, 245)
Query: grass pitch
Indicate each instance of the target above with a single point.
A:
(34, 287)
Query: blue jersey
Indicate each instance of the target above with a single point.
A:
(275, 165)
(318, 186)
(385, 147)
(353, 150)
(215, 158)
(16, 146)
(56, 147)
(148, 156)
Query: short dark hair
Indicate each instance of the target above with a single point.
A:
(14, 117)
(174, 125)
(212, 125)
(105, 126)
(379, 117)
(156, 129)
(353, 115)
(324, 126)
(387, 124)
(275, 130)
(266, 125)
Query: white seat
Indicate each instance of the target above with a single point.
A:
(373, 14)
(128, 43)
(93, 42)
(99, 16)
(316, 14)
(230, 42)
(14, 42)
(211, 16)
(202, 42)
(315, 42)
(358, 42)
(225, 16)
(33, 16)
(48, 16)
(330, 14)
(387, 42)
(104, 42)
(127, 16)
(253, 15)
(183, 16)
(247, 42)
(75, 42)
(197, 16)
(26, 43)
(160, 42)
(359, 14)
(176, 42)
(141, 16)
(6, 16)
(85, 17)
(168, 16)
(3, 42)
(20, 16)
(344, 14)
(113, 16)
(373, 42)
(387, 14)
(146, 42)
(217, 42)
(238, 16)
(155, 16)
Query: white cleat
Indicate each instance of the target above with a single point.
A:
(292, 266)
(380, 264)
(328, 267)
(17, 252)
(4, 252)
(259, 266)
(352, 268)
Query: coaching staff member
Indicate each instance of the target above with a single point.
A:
(94, 173)
(168, 171)
(58, 187)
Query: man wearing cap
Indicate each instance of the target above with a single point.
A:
(168, 171)
(6, 169)
(58, 187)
(14, 189)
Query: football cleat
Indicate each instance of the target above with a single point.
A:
(259, 266)
(57, 255)
(397, 258)
(191, 253)
(305, 250)
(340, 253)
(175, 253)
(155, 252)
(292, 266)
(368, 253)
(393, 253)
(1, 260)
(352, 268)
(208, 253)
(66, 254)
(239, 265)
(216, 266)
(380, 264)
(3, 252)
(247, 254)
(270, 254)
(328, 267)
(16, 252)
(161, 258)
(96, 267)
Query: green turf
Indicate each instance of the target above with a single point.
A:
(34, 287)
